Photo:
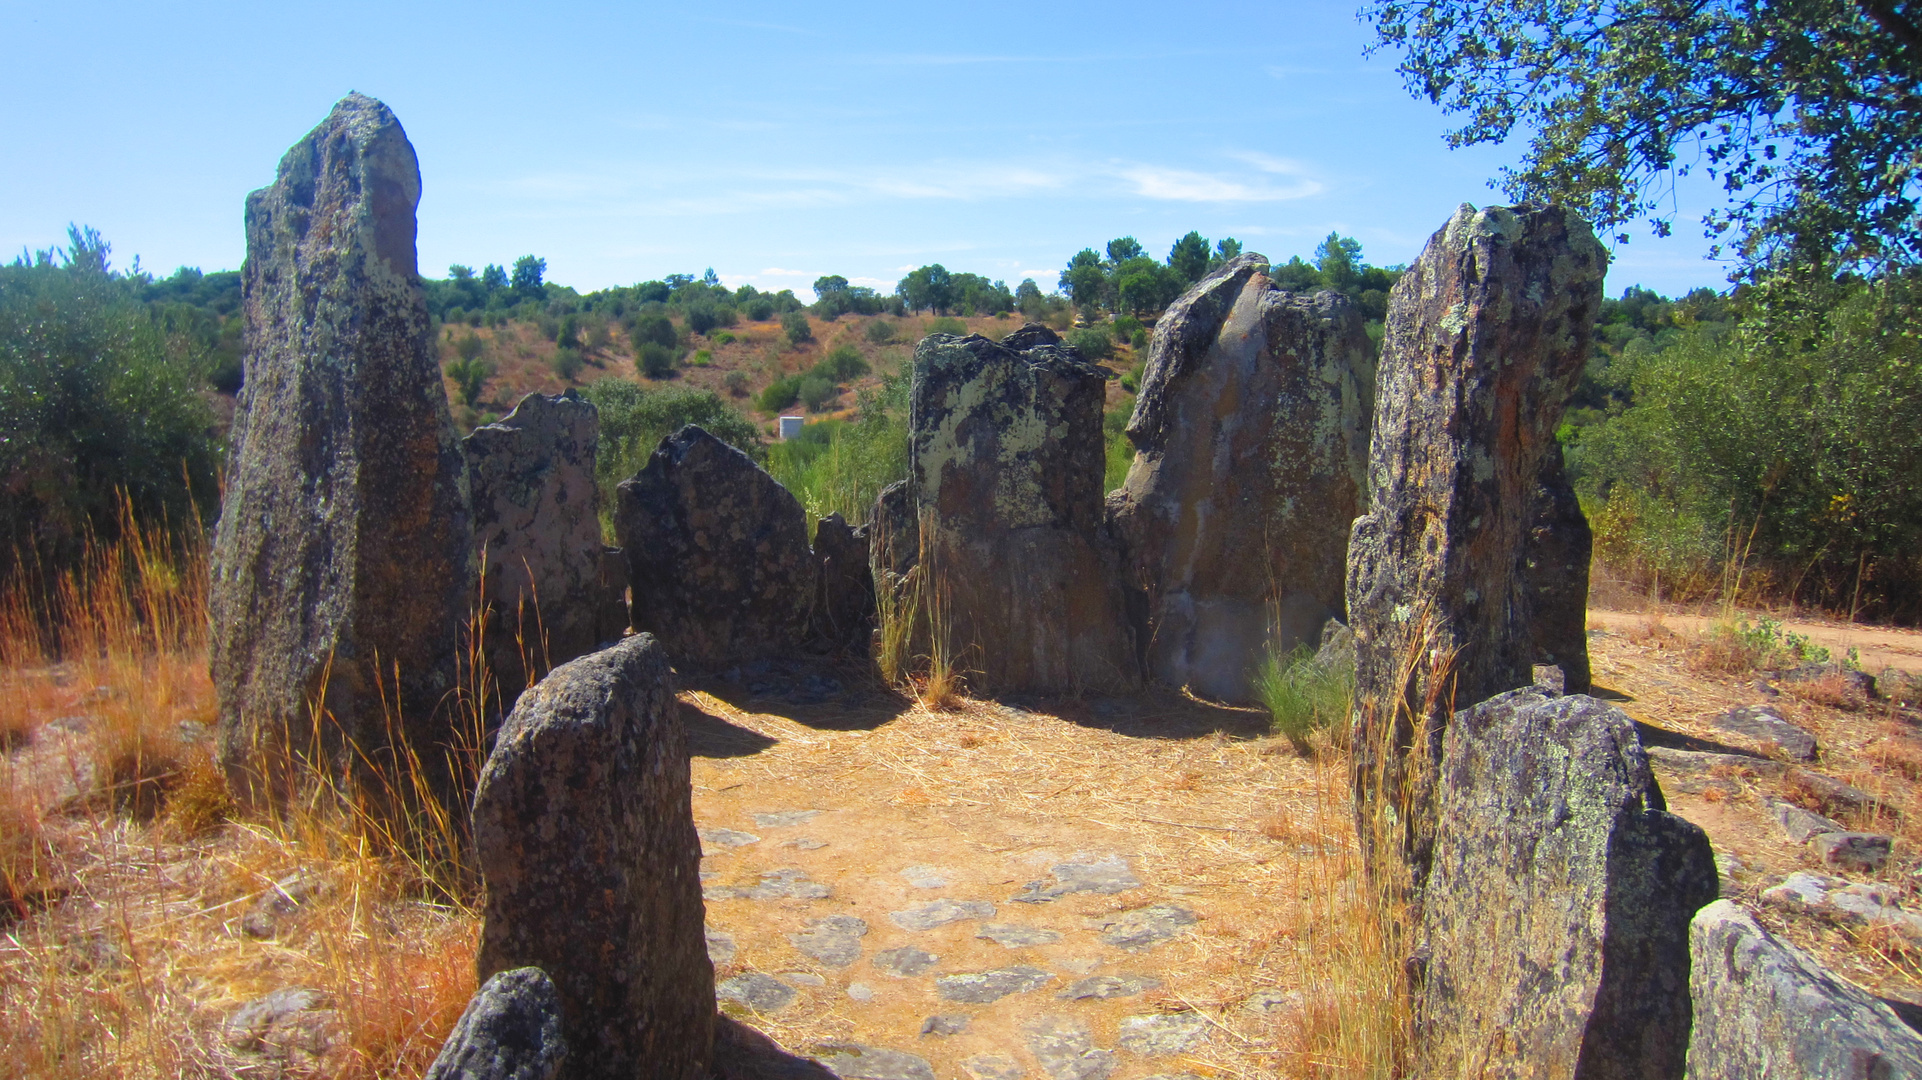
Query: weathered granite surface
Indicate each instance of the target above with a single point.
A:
(343, 558)
(510, 1031)
(844, 608)
(1251, 436)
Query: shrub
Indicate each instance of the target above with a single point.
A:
(469, 346)
(736, 383)
(842, 363)
(760, 309)
(1304, 696)
(570, 333)
(723, 337)
(880, 331)
(654, 360)
(1131, 379)
(475, 318)
(702, 317)
(817, 392)
(470, 378)
(550, 326)
(634, 420)
(566, 363)
(655, 329)
(598, 335)
(948, 324)
(796, 325)
(1093, 342)
(1140, 340)
(1124, 327)
(701, 358)
(779, 394)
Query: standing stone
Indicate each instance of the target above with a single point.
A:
(1764, 1008)
(510, 1031)
(1005, 463)
(342, 566)
(1486, 336)
(717, 553)
(1251, 438)
(537, 525)
(584, 832)
(1555, 574)
(844, 608)
(1554, 922)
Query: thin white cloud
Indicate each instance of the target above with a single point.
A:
(1184, 185)
(775, 271)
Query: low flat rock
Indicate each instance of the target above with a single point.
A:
(726, 839)
(1852, 852)
(1692, 762)
(1270, 1002)
(1763, 726)
(1162, 1033)
(904, 962)
(858, 1061)
(783, 819)
(861, 991)
(1063, 1048)
(940, 913)
(1103, 987)
(1834, 796)
(926, 877)
(720, 946)
(1104, 877)
(1144, 928)
(1799, 824)
(982, 987)
(1867, 904)
(1015, 937)
(945, 1024)
(804, 843)
(511, 1030)
(762, 993)
(784, 884)
(992, 1067)
(834, 941)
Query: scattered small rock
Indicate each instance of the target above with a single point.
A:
(856, 1061)
(982, 987)
(1014, 937)
(1144, 928)
(286, 897)
(1843, 902)
(1852, 852)
(1799, 824)
(861, 991)
(720, 946)
(762, 993)
(940, 913)
(904, 962)
(289, 1022)
(992, 1067)
(804, 843)
(803, 978)
(925, 877)
(1064, 1050)
(786, 883)
(1103, 987)
(782, 819)
(1764, 725)
(1106, 877)
(726, 838)
(1270, 1002)
(1834, 796)
(1162, 1033)
(834, 941)
(945, 1024)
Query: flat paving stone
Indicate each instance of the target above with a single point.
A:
(787, 883)
(1104, 877)
(1015, 937)
(925, 877)
(1144, 928)
(861, 991)
(783, 819)
(726, 839)
(982, 987)
(762, 993)
(1103, 987)
(858, 1061)
(1270, 1002)
(834, 941)
(940, 913)
(904, 962)
(993, 1067)
(1162, 1033)
(945, 1024)
(720, 946)
(803, 978)
(1079, 965)
(804, 843)
(1063, 1048)
(1764, 725)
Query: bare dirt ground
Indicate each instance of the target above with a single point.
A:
(1877, 646)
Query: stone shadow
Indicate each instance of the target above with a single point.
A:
(824, 694)
(709, 736)
(1156, 713)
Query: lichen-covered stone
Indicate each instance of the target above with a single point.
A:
(844, 608)
(510, 1031)
(537, 526)
(584, 834)
(1555, 573)
(719, 566)
(1553, 926)
(343, 559)
(1251, 437)
(1763, 1008)
(1005, 462)
(1486, 337)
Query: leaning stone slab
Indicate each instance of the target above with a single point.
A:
(510, 1031)
(1251, 450)
(1798, 824)
(584, 833)
(719, 566)
(1763, 1008)
(537, 528)
(844, 613)
(1554, 922)
(1486, 337)
(1762, 725)
(343, 559)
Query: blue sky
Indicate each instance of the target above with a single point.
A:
(774, 143)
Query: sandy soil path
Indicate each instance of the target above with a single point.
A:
(1878, 646)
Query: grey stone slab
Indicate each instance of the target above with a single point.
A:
(786, 883)
(858, 1061)
(1015, 937)
(782, 819)
(1702, 762)
(1063, 1048)
(945, 1024)
(982, 987)
(1799, 824)
(1852, 852)
(992, 1067)
(804, 843)
(1104, 877)
(940, 913)
(925, 877)
(720, 946)
(1144, 928)
(904, 962)
(834, 941)
(762, 993)
(1764, 725)
(1162, 1033)
(726, 839)
(1103, 987)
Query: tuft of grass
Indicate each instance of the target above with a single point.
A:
(1734, 646)
(1305, 697)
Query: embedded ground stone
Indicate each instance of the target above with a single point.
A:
(1486, 336)
(945, 1024)
(1834, 796)
(1554, 924)
(805, 843)
(1106, 877)
(1144, 928)
(781, 819)
(834, 941)
(1798, 824)
(1851, 851)
(1251, 437)
(1864, 904)
(905, 961)
(925, 877)
(537, 534)
(1063, 1048)
(941, 912)
(783, 884)
(1162, 1033)
(511, 1030)
(861, 991)
(1764, 725)
(283, 1023)
(854, 1061)
(803, 978)
(717, 551)
(720, 946)
(1014, 937)
(992, 1067)
(1707, 762)
(726, 838)
(982, 987)
(1005, 459)
(1103, 987)
(563, 863)
(762, 993)
(342, 565)
(1762, 1007)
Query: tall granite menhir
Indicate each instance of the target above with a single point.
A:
(1486, 336)
(342, 564)
(1251, 431)
(1005, 461)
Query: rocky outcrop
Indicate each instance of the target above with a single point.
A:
(343, 560)
(1486, 336)
(537, 527)
(1555, 574)
(510, 1031)
(718, 561)
(1005, 462)
(844, 607)
(1251, 438)
(584, 834)
(1764, 1008)
(1554, 921)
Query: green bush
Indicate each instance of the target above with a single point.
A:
(702, 317)
(948, 324)
(779, 394)
(796, 325)
(723, 337)
(470, 378)
(469, 346)
(1120, 452)
(760, 309)
(1093, 342)
(701, 358)
(634, 420)
(1140, 340)
(1124, 327)
(566, 363)
(654, 361)
(842, 363)
(880, 331)
(817, 392)
(655, 329)
(837, 466)
(736, 383)
(569, 336)
(1304, 697)
(550, 327)
(1131, 379)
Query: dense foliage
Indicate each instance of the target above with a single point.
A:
(840, 467)
(635, 419)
